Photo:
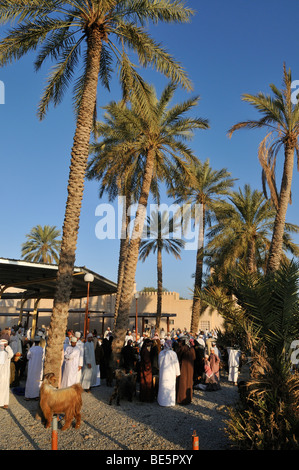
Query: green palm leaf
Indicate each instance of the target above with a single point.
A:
(42, 245)
(280, 118)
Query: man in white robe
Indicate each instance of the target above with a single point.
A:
(89, 374)
(6, 354)
(80, 345)
(108, 333)
(35, 356)
(71, 364)
(15, 342)
(234, 356)
(169, 370)
(128, 337)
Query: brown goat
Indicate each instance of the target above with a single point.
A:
(67, 401)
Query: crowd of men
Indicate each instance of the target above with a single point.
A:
(168, 365)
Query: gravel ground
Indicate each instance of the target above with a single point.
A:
(130, 426)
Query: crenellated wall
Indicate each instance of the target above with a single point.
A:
(146, 304)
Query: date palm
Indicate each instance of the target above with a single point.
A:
(118, 177)
(242, 232)
(280, 118)
(204, 194)
(261, 313)
(158, 239)
(42, 245)
(160, 136)
(269, 419)
(102, 33)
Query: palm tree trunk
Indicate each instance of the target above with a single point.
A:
(79, 157)
(159, 286)
(284, 199)
(124, 246)
(251, 259)
(196, 306)
(122, 321)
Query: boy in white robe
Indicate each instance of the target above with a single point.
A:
(6, 354)
(169, 370)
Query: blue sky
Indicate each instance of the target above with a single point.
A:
(228, 49)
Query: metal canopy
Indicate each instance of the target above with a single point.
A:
(38, 280)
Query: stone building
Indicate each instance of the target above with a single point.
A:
(27, 290)
(176, 312)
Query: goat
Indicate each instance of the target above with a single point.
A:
(67, 401)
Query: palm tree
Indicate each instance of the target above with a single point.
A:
(280, 117)
(159, 135)
(158, 230)
(42, 245)
(120, 176)
(104, 167)
(64, 30)
(205, 190)
(243, 231)
(269, 418)
(263, 311)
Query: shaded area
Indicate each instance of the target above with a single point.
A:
(130, 426)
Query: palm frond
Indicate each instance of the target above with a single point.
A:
(60, 77)
(151, 53)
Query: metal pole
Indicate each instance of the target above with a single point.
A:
(54, 433)
(195, 441)
(86, 312)
(136, 322)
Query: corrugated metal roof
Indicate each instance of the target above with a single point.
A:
(38, 280)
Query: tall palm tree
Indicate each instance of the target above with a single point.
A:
(120, 176)
(42, 245)
(243, 231)
(205, 190)
(101, 32)
(280, 117)
(158, 230)
(159, 135)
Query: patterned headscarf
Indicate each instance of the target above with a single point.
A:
(168, 344)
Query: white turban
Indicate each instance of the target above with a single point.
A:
(73, 339)
(78, 334)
